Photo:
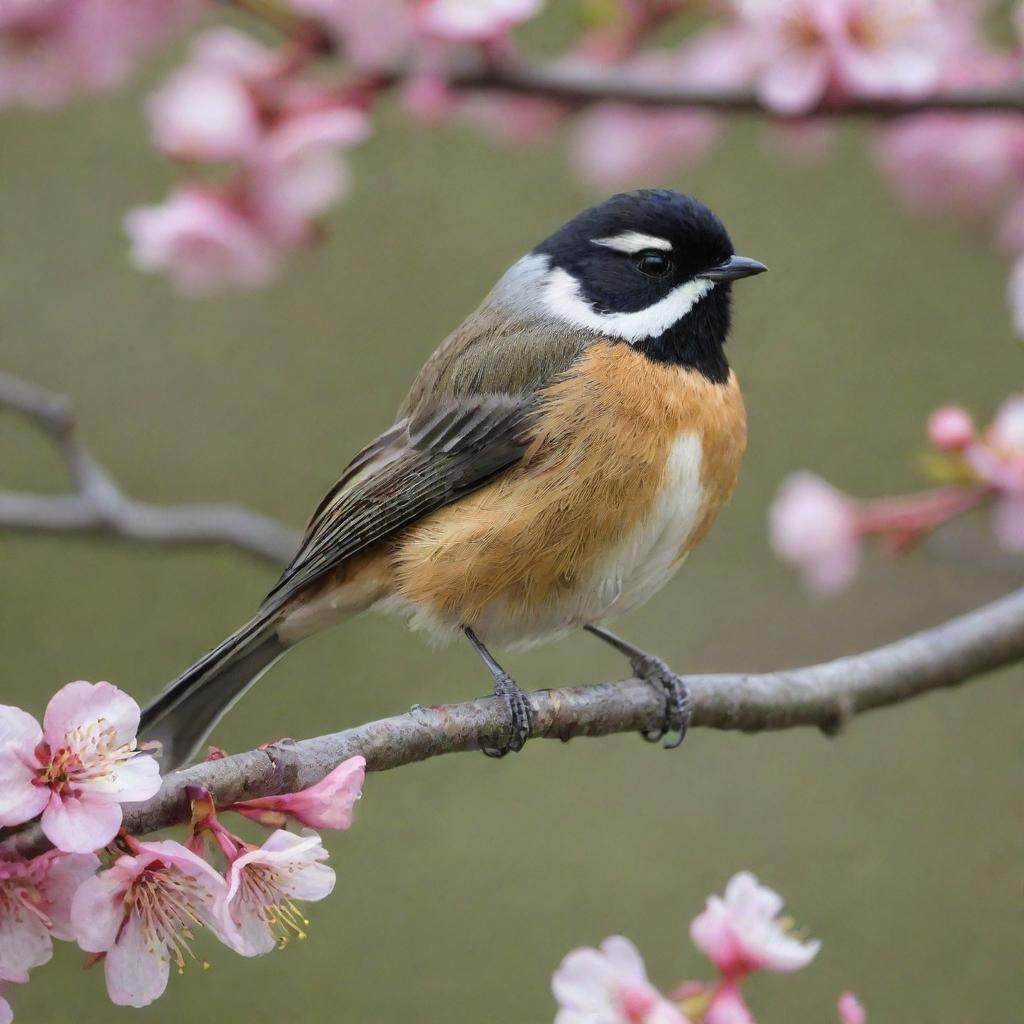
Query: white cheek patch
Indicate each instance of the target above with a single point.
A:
(562, 299)
(633, 241)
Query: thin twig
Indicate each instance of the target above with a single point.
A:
(98, 506)
(826, 696)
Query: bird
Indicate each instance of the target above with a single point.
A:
(556, 459)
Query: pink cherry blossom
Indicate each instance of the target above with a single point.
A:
(326, 804)
(950, 428)
(35, 906)
(78, 769)
(966, 164)
(203, 241)
(374, 34)
(6, 1013)
(512, 118)
(204, 113)
(141, 913)
(814, 526)
(51, 49)
(999, 461)
(298, 171)
(855, 47)
(998, 458)
(742, 931)
(472, 21)
(1007, 430)
(609, 986)
(235, 53)
(263, 884)
(616, 144)
(953, 163)
(208, 109)
(727, 1006)
(850, 1009)
(1008, 521)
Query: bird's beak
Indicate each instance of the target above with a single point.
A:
(733, 268)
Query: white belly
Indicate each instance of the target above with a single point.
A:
(638, 567)
(645, 561)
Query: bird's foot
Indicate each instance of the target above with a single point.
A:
(520, 715)
(519, 709)
(654, 671)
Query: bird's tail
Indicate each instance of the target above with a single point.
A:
(184, 714)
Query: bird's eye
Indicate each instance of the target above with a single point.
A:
(654, 264)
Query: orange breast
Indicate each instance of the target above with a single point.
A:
(530, 542)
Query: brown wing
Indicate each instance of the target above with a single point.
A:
(422, 463)
(465, 420)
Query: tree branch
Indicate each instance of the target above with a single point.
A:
(582, 86)
(98, 507)
(826, 696)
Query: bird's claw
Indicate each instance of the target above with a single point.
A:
(520, 714)
(654, 671)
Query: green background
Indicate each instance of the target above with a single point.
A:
(465, 881)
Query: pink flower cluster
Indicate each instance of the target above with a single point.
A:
(238, 106)
(52, 49)
(740, 932)
(820, 530)
(277, 133)
(796, 54)
(139, 913)
(970, 165)
(811, 50)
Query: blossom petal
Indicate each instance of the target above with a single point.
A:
(64, 876)
(136, 779)
(582, 979)
(18, 728)
(1007, 429)
(795, 84)
(326, 804)
(742, 932)
(97, 908)
(1008, 521)
(306, 878)
(727, 1007)
(80, 704)
(136, 971)
(80, 824)
(568, 1016)
(19, 799)
(24, 942)
(313, 882)
(250, 933)
(850, 1009)
(624, 958)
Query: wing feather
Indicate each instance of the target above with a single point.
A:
(422, 463)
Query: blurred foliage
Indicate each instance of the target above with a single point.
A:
(464, 881)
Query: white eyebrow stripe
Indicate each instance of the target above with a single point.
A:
(562, 298)
(633, 241)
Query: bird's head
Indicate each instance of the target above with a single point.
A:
(652, 268)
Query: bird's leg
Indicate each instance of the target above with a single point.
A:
(515, 700)
(654, 671)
